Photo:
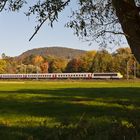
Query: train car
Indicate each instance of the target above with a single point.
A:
(40, 76)
(73, 75)
(107, 76)
(11, 76)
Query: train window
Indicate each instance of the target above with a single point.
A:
(105, 74)
(113, 74)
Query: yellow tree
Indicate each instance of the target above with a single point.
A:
(37, 60)
(87, 60)
(2, 66)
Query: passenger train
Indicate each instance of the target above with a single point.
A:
(63, 76)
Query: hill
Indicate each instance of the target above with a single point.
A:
(62, 52)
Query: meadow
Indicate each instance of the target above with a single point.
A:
(69, 110)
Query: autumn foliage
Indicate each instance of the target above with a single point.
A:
(121, 61)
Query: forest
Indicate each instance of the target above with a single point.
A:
(122, 60)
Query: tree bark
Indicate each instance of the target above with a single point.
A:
(129, 17)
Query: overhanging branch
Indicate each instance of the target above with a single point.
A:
(37, 29)
(49, 17)
(116, 33)
(3, 5)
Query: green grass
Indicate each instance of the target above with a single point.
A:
(70, 110)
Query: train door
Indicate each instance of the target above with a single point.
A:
(54, 76)
(89, 76)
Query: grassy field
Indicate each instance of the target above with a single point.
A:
(70, 110)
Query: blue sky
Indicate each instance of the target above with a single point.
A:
(16, 29)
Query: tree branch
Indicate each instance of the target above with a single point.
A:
(53, 12)
(37, 29)
(3, 5)
(116, 33)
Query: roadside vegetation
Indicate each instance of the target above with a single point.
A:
(66, 110)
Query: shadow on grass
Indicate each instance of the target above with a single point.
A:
(67, 107)
(83, 131)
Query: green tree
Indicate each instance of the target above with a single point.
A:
(21, 68)
(75, 65)
(11, 66)
(123, 61)
(102, 62)
(86, 60)
(3, 56)
(28, 60)
(93, 19)
(57, 65)
(31, 68)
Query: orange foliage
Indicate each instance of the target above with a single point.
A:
(38, 60)
(44, 67)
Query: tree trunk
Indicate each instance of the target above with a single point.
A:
(129, 17)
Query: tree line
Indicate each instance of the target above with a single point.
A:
(122, 60)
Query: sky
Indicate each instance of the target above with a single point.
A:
(16, 29)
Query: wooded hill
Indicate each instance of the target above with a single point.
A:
(61, 52)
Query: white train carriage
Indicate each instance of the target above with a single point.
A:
(39, 76)
(73, 75)
(11, 76)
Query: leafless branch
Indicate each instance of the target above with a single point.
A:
(116, 33)
(37, 29)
